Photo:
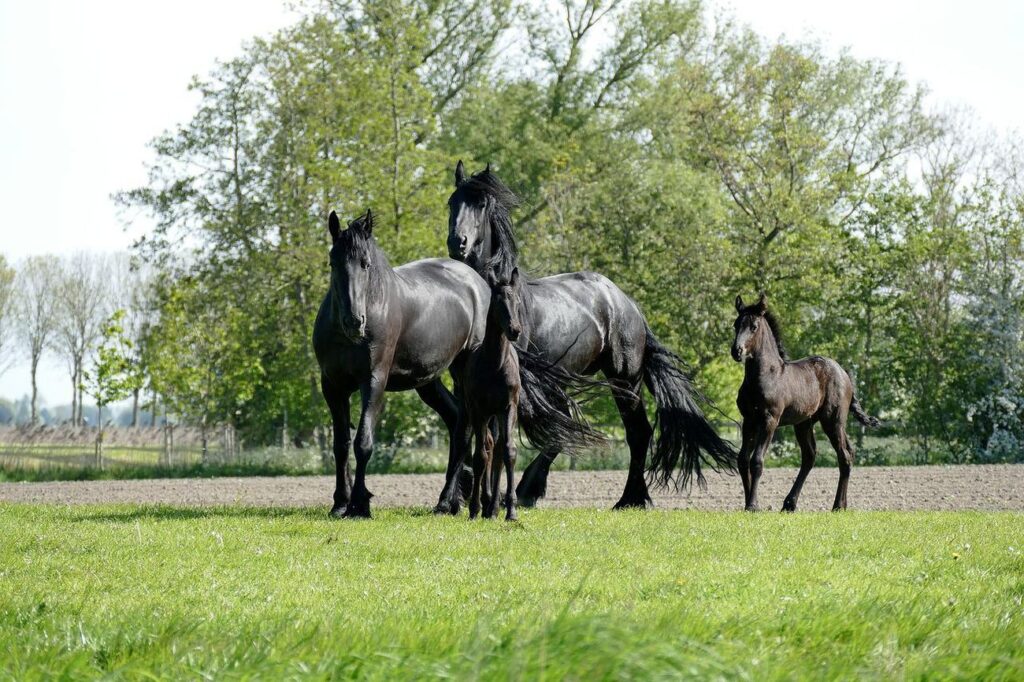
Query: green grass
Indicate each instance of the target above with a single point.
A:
(111, 472)
(134, 592)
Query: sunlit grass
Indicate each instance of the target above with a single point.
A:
(234, 592)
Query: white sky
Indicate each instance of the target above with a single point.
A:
(85, 85)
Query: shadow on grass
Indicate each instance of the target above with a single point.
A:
(161, 512)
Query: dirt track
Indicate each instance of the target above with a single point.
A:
(992, 487)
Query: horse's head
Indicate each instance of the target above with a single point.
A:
(352, 261)
(507, 305)
(467, 219)
(749, 326)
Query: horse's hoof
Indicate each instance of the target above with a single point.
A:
(530, 502)
(511, 515)
(634, 503)
(442, 508)
(789, 506)
(337, 512)
(752, 508)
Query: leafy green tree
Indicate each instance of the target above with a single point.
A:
(113, 376)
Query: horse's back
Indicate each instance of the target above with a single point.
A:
(444, 312)
(834, 387)
(585, 322)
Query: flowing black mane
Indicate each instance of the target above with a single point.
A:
(773, 325)
(499, 201)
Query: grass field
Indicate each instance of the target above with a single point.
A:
(136, 592)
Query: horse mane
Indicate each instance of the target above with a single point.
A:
(773, 325)
(499, 201)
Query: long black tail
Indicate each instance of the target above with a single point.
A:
(862, 416)
(549, 405)
(685, 438)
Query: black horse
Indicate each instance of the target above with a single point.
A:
(778, 392)
(584, 323)
(382, 329)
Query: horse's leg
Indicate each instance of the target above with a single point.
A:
(488, 485)
(493, 470)
(338, 403)
(638, 438)
(479, 462)
(743, 460)
(534, 483)
(836, 432)
(509, 452)
(808, 453)
(450, 501)
(762, 440)
(440, 400)
(372, 394)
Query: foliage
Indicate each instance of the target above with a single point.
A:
(254, 593)
(686, 159)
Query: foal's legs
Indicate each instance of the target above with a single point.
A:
(743, 461)
(638, 437)
(509, 451)
(372, 394)
(763, 439)
(478, 470)
(338, 403)
(836, 432)
(808, 453)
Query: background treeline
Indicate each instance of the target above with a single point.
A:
(667, 147)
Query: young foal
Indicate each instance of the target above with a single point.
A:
(776, 392)
(492, 393)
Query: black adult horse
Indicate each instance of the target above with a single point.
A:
(382, 329)
(584, 323)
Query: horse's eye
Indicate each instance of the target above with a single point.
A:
(365, 263)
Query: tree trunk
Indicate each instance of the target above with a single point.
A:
(135, 408)
(34, 418)
(99, 436)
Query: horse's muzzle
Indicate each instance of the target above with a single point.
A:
(737, 354)
(457, 248)
(354, 327)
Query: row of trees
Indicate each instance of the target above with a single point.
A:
(78, 309)
(680, 154)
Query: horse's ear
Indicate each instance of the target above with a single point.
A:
(739, 304)
(368, 223)
(334, 225)
(460, 173)
(514, 279)
(487, 169)
(762, 304)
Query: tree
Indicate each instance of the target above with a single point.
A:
(36, 309)
(8, 297)
(82, 294)
(113, 376)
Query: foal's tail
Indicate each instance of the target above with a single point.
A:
(685, 438)
(549, 412)
(862, 416)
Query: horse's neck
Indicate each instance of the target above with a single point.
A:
(766, 360)
(495, 341)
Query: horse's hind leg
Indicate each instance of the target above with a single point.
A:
(534, 483)
(638, 437)
(440, 400)
(808, 453)
(836, 433)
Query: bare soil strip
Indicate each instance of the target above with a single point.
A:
(978, 487)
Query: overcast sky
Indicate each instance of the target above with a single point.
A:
(85, 85)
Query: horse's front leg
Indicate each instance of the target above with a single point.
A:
(372, 394)
(338, 402)
(743, 461)
(762, 440)
(450, 501)
(440, 400)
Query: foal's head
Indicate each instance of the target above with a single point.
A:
(505, 304)
(753, 322)
(355, 278)
(480, 229)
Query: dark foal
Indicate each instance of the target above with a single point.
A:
(776, 392)
(492, 394)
